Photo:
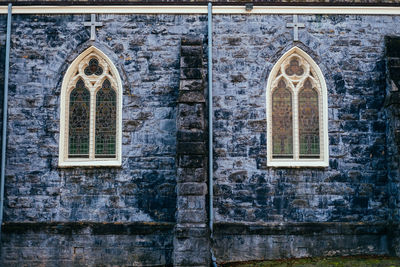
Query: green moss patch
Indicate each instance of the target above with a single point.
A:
(350, 261)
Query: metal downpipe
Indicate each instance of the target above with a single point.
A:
(5, 105)
(210, 133)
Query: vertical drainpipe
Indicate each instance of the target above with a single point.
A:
(210, 133)
(5, 105)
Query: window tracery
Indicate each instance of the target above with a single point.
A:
(297, 112)
(91, 107)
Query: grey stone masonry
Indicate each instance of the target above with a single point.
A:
(145, 50)
(56, 244)
(3, 26)
(152, 210)
(350, 51)
(393, 134)
(191, 242)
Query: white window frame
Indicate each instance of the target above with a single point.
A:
(323, 160)
(68, 85)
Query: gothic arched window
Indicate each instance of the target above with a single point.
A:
(297, 113)
(91, 108)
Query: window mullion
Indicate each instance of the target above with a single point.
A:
(321, 125)
(66, 126)
(92, 122)
(296, 125)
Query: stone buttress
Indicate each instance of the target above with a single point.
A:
(191, 241)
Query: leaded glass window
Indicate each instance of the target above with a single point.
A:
(79, 121)
(308, 121)
(282, 131)
(91, 110)
(297, 132)
(105, 121)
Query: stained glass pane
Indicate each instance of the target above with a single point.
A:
(282, 131)
(106, 115)
(308, 121)
(79, 115)
(294, 68)
(93, 68)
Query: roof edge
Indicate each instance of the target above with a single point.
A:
(197, 3)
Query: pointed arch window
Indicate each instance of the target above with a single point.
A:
(297, 113)
(91, 109)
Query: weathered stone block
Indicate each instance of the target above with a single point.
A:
(191, 189)
(258, 126)
(191, 161)
(191, 148)
(191, 259)
(188, 85)
(191, 216)
(191, 73)
(195, 231)
(192, 61)
(188, 40)
(191, 97)
(191, 116)
(191, 175)
(192, 245)
(190, 136)
(191, 51)
(185, 202)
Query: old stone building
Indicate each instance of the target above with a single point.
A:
(121, 152)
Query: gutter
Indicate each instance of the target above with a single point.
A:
(5, 109)
(202, 9)
(186, 3)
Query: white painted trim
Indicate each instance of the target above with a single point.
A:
(295, 164)
(295, 10)
(323, 161)
(93, 163)
(63, 160)
(171, 9)
(189, 9)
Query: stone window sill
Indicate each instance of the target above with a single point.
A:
(298, 164)
(91, 163)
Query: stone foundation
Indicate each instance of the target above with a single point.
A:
(87, 244)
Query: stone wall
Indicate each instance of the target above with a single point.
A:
(393, 133)
(3, 30)
(157, 198)
(146, 51)
(350, 50)
(239, 242)
(87, 244)
(350, 53)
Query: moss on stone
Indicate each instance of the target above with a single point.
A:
(351, 261)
